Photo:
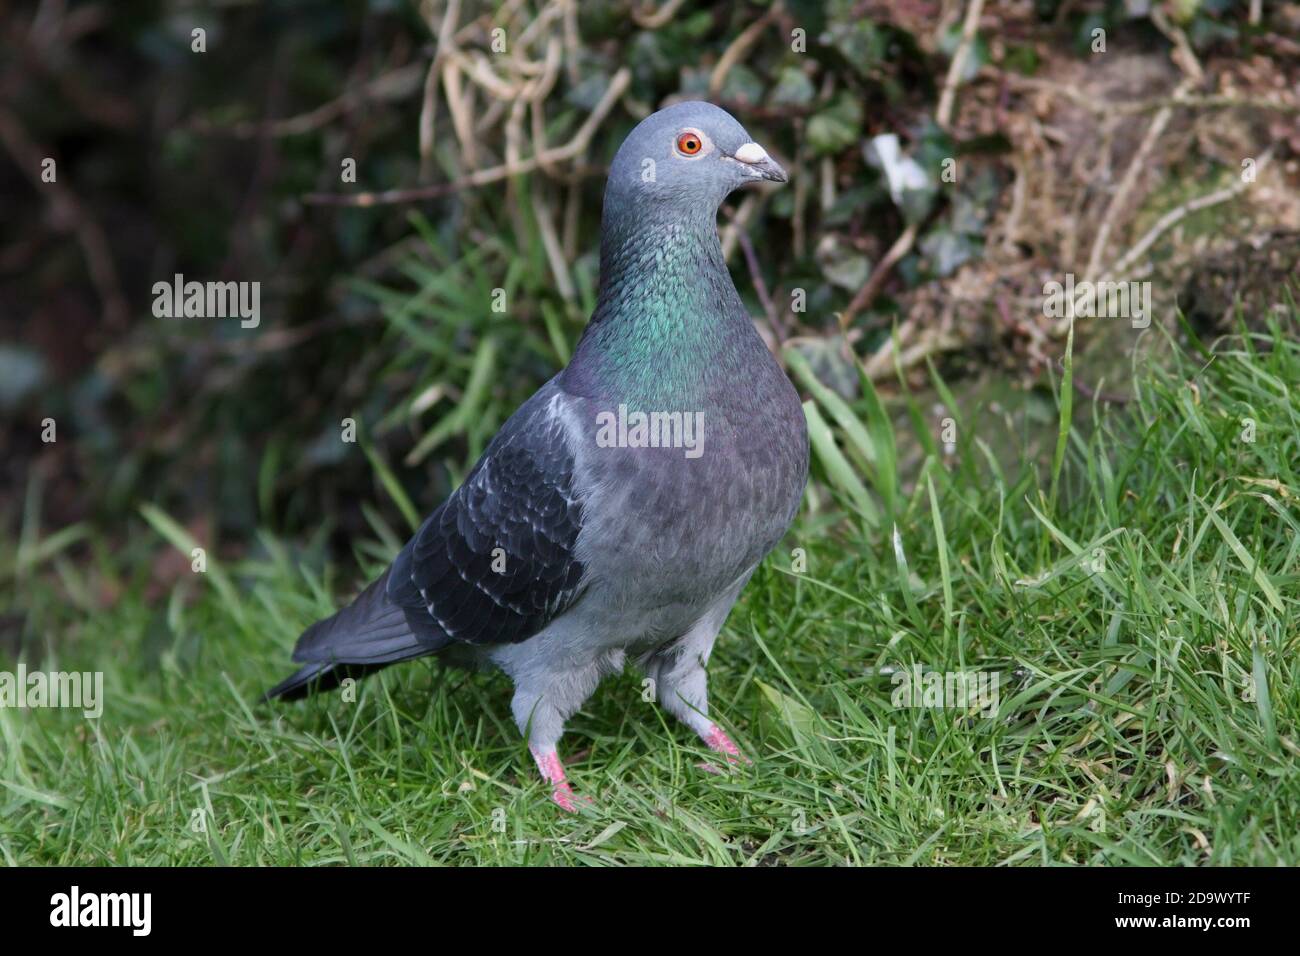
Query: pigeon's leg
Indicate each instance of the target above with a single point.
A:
(543, 701)
(681, 682)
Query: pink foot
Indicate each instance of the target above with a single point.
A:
(548, 762)
(718, 740)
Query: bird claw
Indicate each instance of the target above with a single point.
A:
(548, 762)
(568, 801)
(718, 740)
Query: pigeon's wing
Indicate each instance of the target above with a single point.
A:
(495, 564)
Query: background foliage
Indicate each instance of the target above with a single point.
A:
(175, 161)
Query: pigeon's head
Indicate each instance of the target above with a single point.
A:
(687, 156)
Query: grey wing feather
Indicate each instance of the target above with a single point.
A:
(495, 563)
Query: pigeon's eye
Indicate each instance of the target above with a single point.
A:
(689, 144)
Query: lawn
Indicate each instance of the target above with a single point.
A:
(1133, 591)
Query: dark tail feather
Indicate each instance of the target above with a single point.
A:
(366, 636)
(314, 678)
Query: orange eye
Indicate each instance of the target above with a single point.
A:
(689, 144)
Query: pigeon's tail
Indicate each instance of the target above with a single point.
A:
(313, 678)
(366, 636)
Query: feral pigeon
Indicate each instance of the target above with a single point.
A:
(620, 511)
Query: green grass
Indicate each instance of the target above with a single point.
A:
(1134, 586)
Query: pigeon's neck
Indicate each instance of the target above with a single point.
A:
(669, 329)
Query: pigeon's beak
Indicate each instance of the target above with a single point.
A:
(757, 164)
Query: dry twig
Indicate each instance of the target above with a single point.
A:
(559, 154)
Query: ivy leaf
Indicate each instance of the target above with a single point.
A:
(793, 88)
(859, 41)
(836, 127)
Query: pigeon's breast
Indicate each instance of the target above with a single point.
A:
(682, 502)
